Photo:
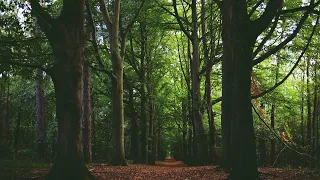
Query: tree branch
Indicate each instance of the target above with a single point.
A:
(94, 40)
(264, 20)
(176, 14)
(255, 7)
(105, 12)
(293, 68)
(45, 21)
(282, 44)
(267, 37)
(304, 8)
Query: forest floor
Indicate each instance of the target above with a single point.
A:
(164, 171)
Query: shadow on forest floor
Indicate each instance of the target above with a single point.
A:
(145, 172)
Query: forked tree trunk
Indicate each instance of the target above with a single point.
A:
(67, 39)
(239, 36)
(41, 121)
(86, 114)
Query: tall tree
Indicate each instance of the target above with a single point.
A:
(67, 39)
(117, 57)
(239, 36)
(200, 137)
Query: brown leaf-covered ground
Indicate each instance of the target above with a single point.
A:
(164, 171)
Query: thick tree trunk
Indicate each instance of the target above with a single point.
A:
(86, 114)
(243, 148)
(68, 84)
(67, 39)
(239, 149)
(41, 121)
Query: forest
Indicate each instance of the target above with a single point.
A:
(159, 89)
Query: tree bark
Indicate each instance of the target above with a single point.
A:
(41, 120)
(239, 36)
(200, 134)
(67, 39)
(86, 114)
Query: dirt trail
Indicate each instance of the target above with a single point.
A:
(163, 172)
